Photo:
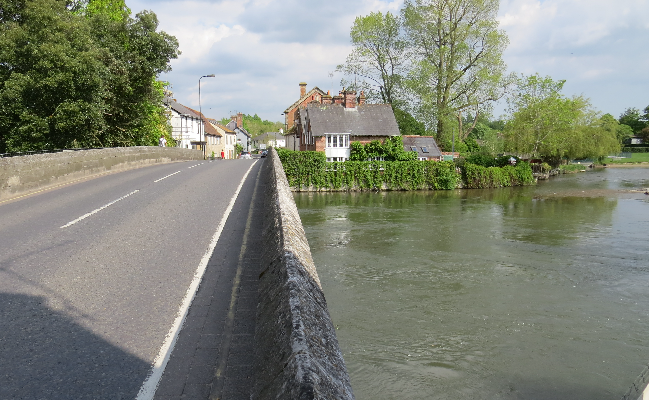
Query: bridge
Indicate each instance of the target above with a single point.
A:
(150, 273)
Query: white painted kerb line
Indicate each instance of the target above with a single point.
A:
(98, 210)
(148, 389)
(165, 177)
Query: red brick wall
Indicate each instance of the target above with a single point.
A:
(291, 115)
(320, 143)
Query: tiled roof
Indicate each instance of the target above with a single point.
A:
(421, 143)
(211, 130)
(363, 120)
(183, 110)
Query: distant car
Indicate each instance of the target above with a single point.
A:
(245, 155)
(263, 154)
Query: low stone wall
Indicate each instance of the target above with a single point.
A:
(297, 353)
(19, 175)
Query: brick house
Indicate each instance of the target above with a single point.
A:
(315, 95)
(331, 126)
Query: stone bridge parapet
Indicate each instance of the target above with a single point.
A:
(297, 353)
(24, 174)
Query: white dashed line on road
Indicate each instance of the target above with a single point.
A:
(98, 210)
(165, 177)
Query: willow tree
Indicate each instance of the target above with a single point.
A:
(379, 57)
(545, 124)
(459, 68)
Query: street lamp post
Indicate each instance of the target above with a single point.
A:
(201, 127)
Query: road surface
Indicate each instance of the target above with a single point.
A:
(96, 279)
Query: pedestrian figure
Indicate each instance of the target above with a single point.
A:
(162, 142)
(223, 155)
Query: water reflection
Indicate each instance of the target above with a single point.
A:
(532, 293)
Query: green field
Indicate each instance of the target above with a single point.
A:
(636, 158)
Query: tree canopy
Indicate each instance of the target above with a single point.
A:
(439, 60)
(545, 124)
(636, 120)
(80, 74)
(256, 125)
(379, 57)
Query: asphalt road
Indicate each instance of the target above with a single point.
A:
(93, 275)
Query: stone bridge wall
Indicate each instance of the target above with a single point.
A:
(19, 175)
(298, 355)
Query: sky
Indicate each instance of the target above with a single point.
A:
(260, 50)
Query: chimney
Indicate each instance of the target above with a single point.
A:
(338, 99)
(240, 120)
(350, 99)
(327, 99)
(362, 99)
(303, 89)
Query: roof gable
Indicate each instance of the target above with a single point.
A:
(315, 90)
(183, 110)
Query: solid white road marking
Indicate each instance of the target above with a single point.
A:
(148, 389)
(98, 210)
(165, 177)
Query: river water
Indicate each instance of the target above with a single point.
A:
(521, 293)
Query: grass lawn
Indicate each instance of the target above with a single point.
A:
(636, 158)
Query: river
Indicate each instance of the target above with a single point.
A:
(536, 292)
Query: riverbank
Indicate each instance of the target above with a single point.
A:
(626, 165)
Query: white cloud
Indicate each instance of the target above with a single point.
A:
(599, 46)
(260, 50)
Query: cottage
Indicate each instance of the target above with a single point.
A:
(186, 125)
(425, 146)
(331, 126)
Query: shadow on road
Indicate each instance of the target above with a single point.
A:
(47, 355)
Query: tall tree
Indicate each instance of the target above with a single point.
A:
(80, 74)
(379, 57)
(134, 53)
(460, 68)
(51, 79)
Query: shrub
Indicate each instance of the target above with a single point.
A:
(479, 177)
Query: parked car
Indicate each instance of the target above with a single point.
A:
(245, 155)
(263, 154)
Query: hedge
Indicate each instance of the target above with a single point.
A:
(310, 170)
(478, 177)
(635, 149)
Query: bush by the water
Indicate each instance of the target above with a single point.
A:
(305, 169)
(310, 168)
(572, 168)
(479, 177)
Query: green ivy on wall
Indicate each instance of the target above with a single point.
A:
(310, 170)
